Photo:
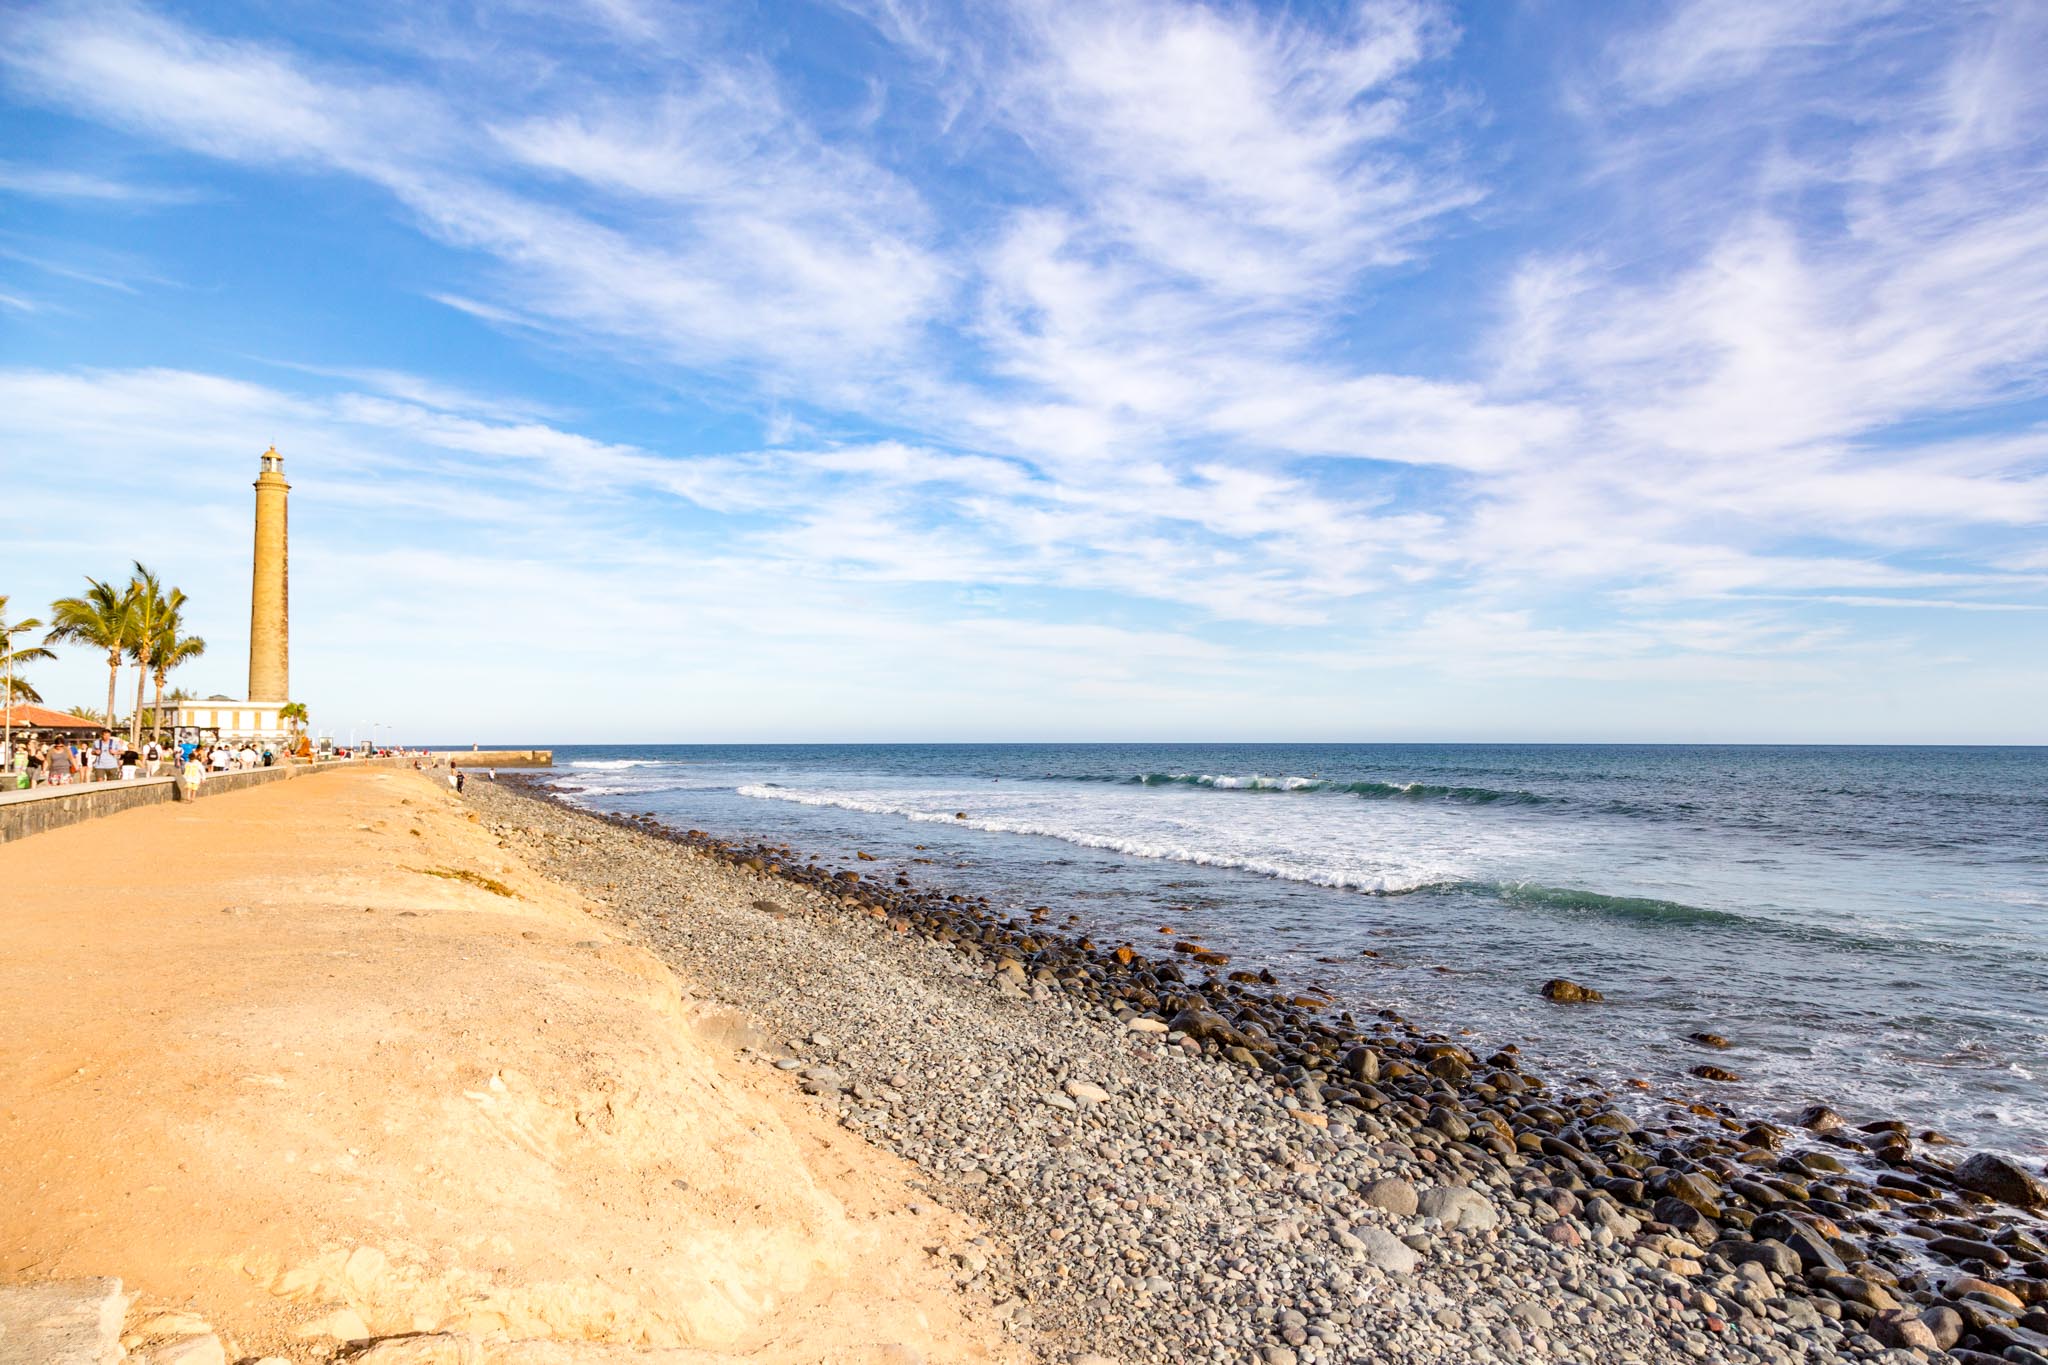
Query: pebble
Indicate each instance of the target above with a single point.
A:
(1170, 1166)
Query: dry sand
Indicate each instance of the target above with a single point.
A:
(265, 1067)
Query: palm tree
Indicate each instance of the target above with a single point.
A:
(149, 607)
(12, 658)
(103, 618)
(293, 712)
(87, 713)
(170, 650)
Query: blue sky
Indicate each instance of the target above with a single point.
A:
(893, 370)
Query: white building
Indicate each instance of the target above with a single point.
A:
(216, 718)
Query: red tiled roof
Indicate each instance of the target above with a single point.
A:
(23, 716)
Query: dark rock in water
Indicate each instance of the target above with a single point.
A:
(1969, 1249)
(1818, 1118)
(1563, 992)
(1709, 1039)
(1715, 1073)
(2002, 1179)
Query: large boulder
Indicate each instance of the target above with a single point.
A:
(1385, 1250)
(1459, 1209)
(1564, 992)
(1806, 1243)
(1393, 1194)
(2003, 1179)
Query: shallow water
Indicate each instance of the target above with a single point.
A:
(1867, 925)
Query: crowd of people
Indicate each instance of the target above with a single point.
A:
(59, 763)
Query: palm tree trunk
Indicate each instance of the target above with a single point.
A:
(113, 680)
(156, 717)
(135, 721)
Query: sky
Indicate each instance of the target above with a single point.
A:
(895, 370)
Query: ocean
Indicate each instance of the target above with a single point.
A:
(1867, 926)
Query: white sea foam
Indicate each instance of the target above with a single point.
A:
(1159, 846)
(616, 763)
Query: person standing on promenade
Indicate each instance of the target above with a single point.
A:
(152, 756)
(218, 759)
(58, 765)
(106, 765)
(130, 762)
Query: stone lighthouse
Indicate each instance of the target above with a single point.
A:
(269, 592)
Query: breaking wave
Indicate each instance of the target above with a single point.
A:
(1372, 882)
(1388, 791)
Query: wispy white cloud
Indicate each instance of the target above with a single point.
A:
(1109, 332)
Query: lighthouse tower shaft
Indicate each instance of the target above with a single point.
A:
(269, 592)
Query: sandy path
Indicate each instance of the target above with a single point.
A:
(264, 1066)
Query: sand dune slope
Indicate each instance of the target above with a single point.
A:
(291, 1062)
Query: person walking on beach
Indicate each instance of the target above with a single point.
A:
(195, 771)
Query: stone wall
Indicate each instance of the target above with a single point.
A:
(23, 813)
(43, 808)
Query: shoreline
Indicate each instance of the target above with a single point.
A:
(1732, 1193)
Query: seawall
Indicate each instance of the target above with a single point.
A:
(38, 809)
(497, 758)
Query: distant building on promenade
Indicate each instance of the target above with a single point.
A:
(254, 716)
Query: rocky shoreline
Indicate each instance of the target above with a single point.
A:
(1182, 1161)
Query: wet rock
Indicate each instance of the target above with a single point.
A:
(1715, 1073)
(1562, 991)
(2003, 1179)
(1969, 1249)
(1713, 1040)
(1818, 1118)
